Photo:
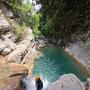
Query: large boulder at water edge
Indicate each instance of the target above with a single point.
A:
(67, 82)
(10, 75)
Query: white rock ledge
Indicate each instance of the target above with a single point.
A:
(67, 82)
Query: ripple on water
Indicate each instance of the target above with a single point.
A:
(54, 62)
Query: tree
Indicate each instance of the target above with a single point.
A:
(68, 17)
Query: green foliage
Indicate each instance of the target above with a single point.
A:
(19, 31)
(23, 11)
(67, 17)
(35, 20)
(46, 25)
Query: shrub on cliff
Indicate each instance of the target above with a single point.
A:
(24, 13)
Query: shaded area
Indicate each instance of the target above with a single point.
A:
(65, 19)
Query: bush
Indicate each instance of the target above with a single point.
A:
(19, 31)
(46, 25)
(35, 20)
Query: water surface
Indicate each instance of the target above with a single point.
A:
(53, 62)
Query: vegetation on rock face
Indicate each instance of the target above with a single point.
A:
(65, 18)
(19, 31)
(24, 16)
(58, 19)
(35, 23)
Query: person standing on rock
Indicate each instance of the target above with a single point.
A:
(39, 83)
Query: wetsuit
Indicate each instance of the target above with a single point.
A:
(39, 84)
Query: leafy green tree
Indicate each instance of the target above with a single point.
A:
(35, 20)
(68, 17)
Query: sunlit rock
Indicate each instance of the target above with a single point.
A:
(7, 12)
(2, 46)
(6, 51)
(11, 75)
(4, 25)
(21, 49)
(67, 82)
(6, 46)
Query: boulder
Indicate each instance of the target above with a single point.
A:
(59, 42)
(9, 42)
(13, 37)
(11, 75)
(53, 40)
(10, 35)
(18, 53)
(67, 82)
(4, 25)
(7, 12)
(6, 51)
(12, 46)
(2, 46)
(6, 46)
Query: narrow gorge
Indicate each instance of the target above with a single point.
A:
(44, 45)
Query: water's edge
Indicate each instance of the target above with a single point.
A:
(79, 65)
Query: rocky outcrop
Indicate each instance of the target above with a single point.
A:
(6, 46)
(11, 75)
(21, 48)
(80, 52)
(7, 38)
(67, 82)
(13, 51)
(7, 12)
(4, 25)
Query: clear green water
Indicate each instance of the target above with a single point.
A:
(54, 62)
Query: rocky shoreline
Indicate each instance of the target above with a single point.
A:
(79, 51)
